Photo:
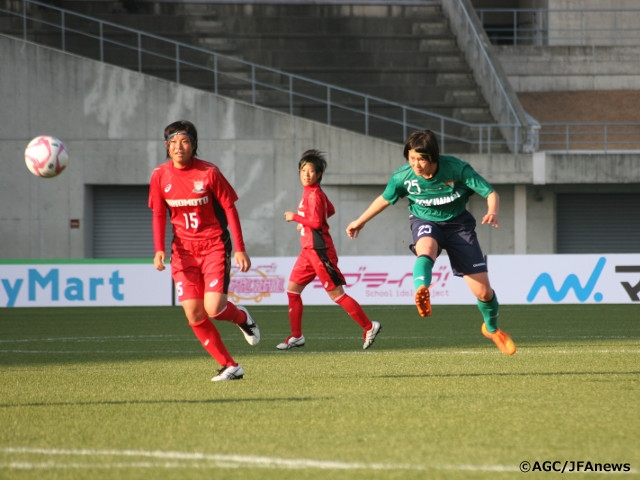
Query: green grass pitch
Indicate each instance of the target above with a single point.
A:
(125, 393)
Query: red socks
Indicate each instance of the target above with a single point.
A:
(210, 339)
(354, 310)
(232, 314)
(295, 313)
(350, 306)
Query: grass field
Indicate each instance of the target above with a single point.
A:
(97, 393)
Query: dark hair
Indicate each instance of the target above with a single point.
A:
(316, 158)
(186, 127)
(425, 143)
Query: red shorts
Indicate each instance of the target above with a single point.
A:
(199, 267)
(322, 263)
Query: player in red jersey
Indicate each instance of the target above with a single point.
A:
(318, 256)
(201, 203)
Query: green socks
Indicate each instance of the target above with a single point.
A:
(489, 312)
(422, 271)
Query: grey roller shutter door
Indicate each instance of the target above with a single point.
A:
(122, 222)
(598, 223)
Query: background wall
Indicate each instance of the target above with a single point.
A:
(111, 120)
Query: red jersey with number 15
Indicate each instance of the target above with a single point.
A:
(313, 211)
(201, 202)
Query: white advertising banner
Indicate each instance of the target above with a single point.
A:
(68, 284)
(517, 279)
(528, 279)
(371, 280)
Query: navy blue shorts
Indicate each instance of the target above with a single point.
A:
(458, 237)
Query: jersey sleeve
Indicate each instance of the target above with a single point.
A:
(393, 191)
(226, 196)
(476, 182)
(234, 227)
(316, 211)
(331, 210)
(158, 211)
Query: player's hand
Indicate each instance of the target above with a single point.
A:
(288, 216)
(353, 229)
(158, 261)
(243, 262)
(491, 219)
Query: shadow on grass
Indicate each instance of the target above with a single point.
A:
(506, 374)
(163, 402)
(71, 335)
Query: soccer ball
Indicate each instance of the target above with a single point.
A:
(46, 156)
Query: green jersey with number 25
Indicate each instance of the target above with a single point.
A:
(442, 197)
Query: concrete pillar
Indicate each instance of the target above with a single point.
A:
(520, 219)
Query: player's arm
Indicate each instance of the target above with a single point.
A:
(159, 259)
(493, 206)
(377, 206)
(240, 256)
(224, 193)
(314, 216)
(312, 223)
(158, 223)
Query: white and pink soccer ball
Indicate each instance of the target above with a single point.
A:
(46, 156)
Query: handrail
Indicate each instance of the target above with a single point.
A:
(561, 26)
(489, 75)
(594, 137)
(254, 83)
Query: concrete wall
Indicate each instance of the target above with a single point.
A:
(112, 120)
(567, 68)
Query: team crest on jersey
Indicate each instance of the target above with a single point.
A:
(450, 183)
(198, 186)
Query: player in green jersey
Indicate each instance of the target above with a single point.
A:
(438, 188)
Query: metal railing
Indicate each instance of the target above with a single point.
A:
(259, 85)
(494, 84)
(541, 26)
(617, 137)
(293, 94)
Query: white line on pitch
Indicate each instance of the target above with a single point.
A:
(169, 459)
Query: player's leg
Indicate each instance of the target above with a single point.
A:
(468, 261)
(426, 237)
(210, 338)
(229, 312)
(351, 306)
(487, 299)
(301, 274)
(489, 308)
(370, 329)
(206, 332)
(326, 266)
(189, 283)
(216, 271)
(296, 308)
(426, 249)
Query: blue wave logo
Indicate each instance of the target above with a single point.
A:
(571, 282)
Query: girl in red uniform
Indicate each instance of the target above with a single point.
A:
(201, 203)
(318, 256)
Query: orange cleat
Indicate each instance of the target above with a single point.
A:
(501, 339)
(423, 301)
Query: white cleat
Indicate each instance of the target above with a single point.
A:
(370, 335)
(229, 373)
(291, 342)
(249, 328)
